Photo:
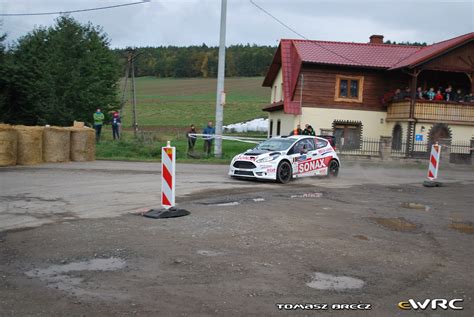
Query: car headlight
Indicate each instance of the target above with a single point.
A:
(267, 159)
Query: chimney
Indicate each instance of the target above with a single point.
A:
(376, 39)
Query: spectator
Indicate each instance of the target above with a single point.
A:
(419, 93)
(98, 122)
(407, 93)
(469, 97)
(209, 131)
(438, 96)
(458, 96)
(116, 122)
(397, 95)
(311, 130)
(297, 131)
(431, 94)
(448, 93)
(191, 138)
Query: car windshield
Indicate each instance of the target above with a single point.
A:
(275, 144)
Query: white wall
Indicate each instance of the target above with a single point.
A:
(288, 122)
(277, 91)
(323, 118)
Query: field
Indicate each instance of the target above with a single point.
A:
(168, 102)
(168, 106)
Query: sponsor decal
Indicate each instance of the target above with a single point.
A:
(271, 170)
(246, 158)
(432, 304)
(308, 166)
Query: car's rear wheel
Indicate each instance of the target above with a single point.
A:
(333, 169)
(284, 172)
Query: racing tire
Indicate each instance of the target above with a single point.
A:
(284, 172)
(333, 169)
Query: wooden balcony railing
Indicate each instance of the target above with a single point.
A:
(433, 111)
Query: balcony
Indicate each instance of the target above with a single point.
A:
(432, 111)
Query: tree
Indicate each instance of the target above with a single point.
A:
(61, 74)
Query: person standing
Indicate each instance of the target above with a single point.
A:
(191, 137)
(98, 122)
(209, 130)
(116, 122)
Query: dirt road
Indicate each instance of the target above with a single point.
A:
(70, 246)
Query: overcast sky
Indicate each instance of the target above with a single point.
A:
(187, 22)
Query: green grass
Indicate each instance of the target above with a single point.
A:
(129, 149)
(168, 106)
(168, 102)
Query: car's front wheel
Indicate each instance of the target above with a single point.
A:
(284, 172)
(333, 169)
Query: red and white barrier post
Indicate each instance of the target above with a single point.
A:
(168, 180)
(433, 166)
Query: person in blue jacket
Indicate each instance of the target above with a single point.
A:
(210, 131)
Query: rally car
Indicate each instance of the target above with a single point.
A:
(284, 158)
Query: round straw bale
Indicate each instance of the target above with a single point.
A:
(56, 144)
(82, 144)
(8, 145)
(30, 145)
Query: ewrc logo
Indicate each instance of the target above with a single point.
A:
(311, 165)
(431, 303)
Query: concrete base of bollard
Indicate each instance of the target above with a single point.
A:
(166, 213)
(432, 184)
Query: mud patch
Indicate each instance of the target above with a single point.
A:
(416, 206)
(324, 281)
(361, 237)
(464, 227)
(396, 224)
(67, 277)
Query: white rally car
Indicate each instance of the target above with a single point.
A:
(284, 158)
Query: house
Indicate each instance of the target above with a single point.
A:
(345, 89)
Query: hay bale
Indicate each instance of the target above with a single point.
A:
(82, 144)
(56, 144)
(8, 145)
(30, 145)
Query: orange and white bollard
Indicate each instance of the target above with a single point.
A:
(168, 180)
(433, 166)
(168, 183)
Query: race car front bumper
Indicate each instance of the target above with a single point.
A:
(260, 171)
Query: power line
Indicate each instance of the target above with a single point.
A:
(301, 35)
(73, 11)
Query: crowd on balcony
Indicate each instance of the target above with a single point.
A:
(447, 94)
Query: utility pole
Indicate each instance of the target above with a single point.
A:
(220, 82)
(127, 70)
(134, 99)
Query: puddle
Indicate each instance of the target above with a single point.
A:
(56, 276)
(231, 203)
(208, 253)
(464, 227)
(331, 282)
(415, 206)
(308, 195)
(397, 224)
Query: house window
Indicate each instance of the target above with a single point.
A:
(271, 128)
(348, 135)
(278, 127)
(349, 88)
